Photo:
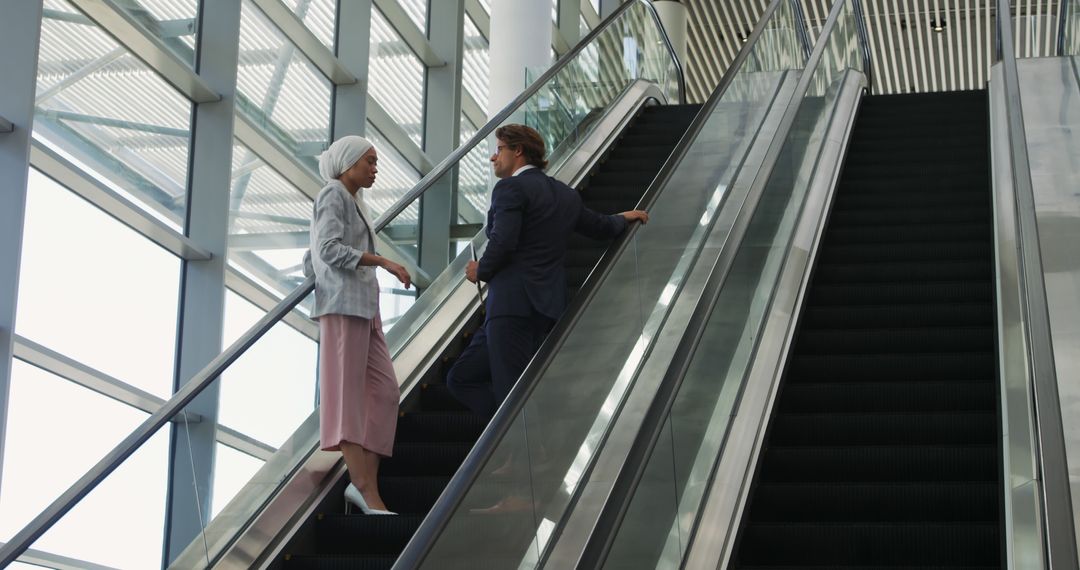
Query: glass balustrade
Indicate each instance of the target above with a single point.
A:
(664, 507)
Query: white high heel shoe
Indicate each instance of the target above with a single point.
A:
(353, 496)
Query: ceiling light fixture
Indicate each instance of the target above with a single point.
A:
(938, 25)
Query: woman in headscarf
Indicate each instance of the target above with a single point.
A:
(359, 393)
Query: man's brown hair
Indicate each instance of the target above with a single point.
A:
(527, 139)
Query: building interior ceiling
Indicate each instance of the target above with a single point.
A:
(916, 45)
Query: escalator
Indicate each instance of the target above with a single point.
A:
(435, 432)
(884, 447)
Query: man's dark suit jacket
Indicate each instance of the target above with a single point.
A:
(528, 226)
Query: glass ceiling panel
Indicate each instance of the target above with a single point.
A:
(396, 77)
(111, 114)
(475, 69)
(269, 221)
(280, 89)
(174, 21)
(319, 16)
(417, 10)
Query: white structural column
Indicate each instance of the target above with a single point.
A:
(570, 21)
(673, 16)
(518, 42)
(352, 47)
(202, 287)
(442, 122)
(20, 33)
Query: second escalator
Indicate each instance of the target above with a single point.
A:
(883, 448)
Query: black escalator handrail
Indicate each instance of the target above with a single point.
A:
(864, 43)
(1050, 451)
(633, 469)
(450, 500)
(22, 540)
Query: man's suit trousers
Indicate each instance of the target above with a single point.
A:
(494, 360)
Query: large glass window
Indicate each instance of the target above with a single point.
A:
(475, 71)
(318, 15)
(280, 89)
(269, 224)
(396, 177)
(396, 77)
(104, 109)
(174, 21)
(57, 431)
(270, 389)
(95, 290)
(417, 10)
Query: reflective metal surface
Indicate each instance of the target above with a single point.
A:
(1023, 516)
(1050, 94)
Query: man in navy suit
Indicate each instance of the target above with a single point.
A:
(528, 225)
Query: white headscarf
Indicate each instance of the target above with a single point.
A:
(342, 155)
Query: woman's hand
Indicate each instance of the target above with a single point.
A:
(398, 271)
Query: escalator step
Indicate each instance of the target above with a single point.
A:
(608, 192)
(941, 428)
(642, 152)
(880, 463)
(871, 543)
(900, 293)
(897, 316)
(437, 398)
(881, 185)
(440, 426)
(929, 272)
(875, 154)
(889, 397)
(312, 562)
(914, 367)
(903, 216)
(367, 534)
(632, 181)
(898, 340)
(871, 200)
(875, 502)
(412, 495)
(425, 459)
(907, 233)
(886, 252)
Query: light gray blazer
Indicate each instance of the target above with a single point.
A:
(339, 236)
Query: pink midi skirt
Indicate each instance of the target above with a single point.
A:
(358, 390)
